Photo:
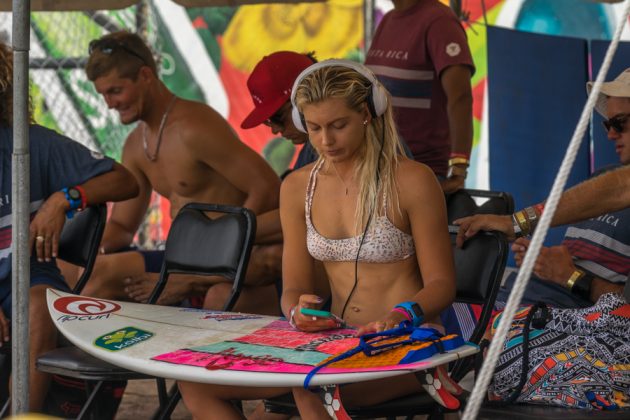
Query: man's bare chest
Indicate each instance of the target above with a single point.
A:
(178, 173)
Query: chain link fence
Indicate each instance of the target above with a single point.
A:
(62, 97)
(204, 54)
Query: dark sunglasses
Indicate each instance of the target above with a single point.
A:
(109, 46)
(279, 117)
(617, 123)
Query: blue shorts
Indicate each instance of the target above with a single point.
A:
(538, 290)
(152, 260)
(41, 273)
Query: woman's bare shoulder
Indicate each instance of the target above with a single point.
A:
(409, 173)
(295, 182)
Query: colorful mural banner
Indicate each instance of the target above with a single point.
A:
(206, 54)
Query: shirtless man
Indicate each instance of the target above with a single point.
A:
(186, 152)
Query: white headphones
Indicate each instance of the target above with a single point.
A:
(376, 100)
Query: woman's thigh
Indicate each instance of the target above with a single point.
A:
(379, 391)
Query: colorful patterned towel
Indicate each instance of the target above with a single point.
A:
(580, 359)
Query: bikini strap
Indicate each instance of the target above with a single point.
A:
(310, 188)
(384, 202)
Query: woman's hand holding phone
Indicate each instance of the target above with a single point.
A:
(316, 313)
(307, 318)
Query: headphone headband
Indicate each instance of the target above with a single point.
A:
(377, 99)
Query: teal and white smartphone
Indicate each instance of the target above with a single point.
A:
(322, 314)
(316, 312)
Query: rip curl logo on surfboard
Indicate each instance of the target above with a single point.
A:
(82, 306)
(122, 339)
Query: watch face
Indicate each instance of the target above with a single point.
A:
(417, 310)
(74, 193)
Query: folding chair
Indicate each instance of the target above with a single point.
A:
(80, 240)
(78, 245)
(479, 269)
(467, 202)
(196, 244)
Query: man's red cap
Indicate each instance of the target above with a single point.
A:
(270, 84)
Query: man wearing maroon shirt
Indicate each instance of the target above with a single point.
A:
(420, 54)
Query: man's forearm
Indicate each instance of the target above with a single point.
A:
(115, 185)
(606, 193)
(268, 229)
(600, 287)
(262, 198)
(460, 123)
(115, 237)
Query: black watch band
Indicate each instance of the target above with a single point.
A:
(582, 286)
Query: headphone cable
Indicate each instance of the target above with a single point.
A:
(367, 225)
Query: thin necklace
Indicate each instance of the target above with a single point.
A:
(153, 157)
(339, 176)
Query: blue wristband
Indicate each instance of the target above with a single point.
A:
(415, 312)
(74, 203)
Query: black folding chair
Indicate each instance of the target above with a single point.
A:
(78, 245)
(196, 244)
(467, 202)
(479, 267)
(80, 240)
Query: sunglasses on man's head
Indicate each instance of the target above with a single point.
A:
(617, 123)
(109, 46)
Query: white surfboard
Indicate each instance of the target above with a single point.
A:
(214, 347)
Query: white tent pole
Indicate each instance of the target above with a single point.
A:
(368, 24)
(20, 198)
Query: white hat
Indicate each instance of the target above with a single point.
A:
(618, 88)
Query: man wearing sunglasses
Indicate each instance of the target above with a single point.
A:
(594, 257)
(186, 152)
(270, 85)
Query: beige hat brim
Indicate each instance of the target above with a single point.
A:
(615, 88)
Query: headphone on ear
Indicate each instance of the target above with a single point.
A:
(376, 100)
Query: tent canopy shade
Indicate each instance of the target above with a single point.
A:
(69, 5)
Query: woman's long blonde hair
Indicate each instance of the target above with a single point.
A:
(382, 145)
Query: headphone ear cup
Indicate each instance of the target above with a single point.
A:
(298, 119)
(379, 98)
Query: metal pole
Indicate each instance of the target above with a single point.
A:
(368, 24)
(20, 197)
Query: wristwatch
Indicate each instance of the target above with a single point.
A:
(73, 196)
(415, 312)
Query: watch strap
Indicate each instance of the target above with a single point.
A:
(414, 311)
(83, 197)
(74, 203)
